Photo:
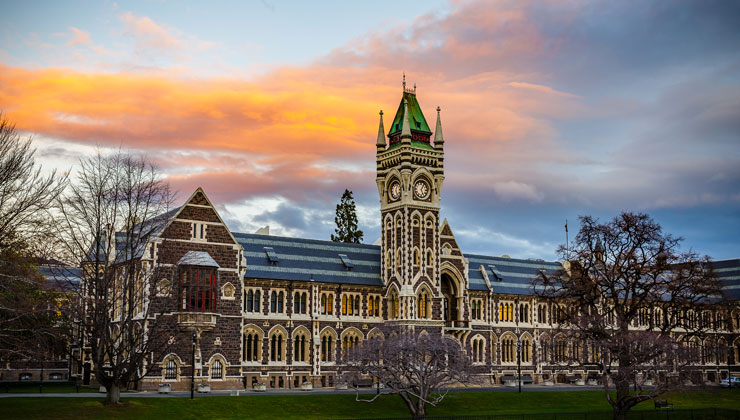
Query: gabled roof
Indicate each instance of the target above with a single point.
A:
(416, 117)
(507, 275)
(306, 259)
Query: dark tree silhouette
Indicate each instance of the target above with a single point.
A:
(110, 214)
(417, 366)
(29, 327)
(625, 292)
(346, 221)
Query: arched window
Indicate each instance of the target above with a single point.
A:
(344, 304)
(273, 301)
(252, 345)
(560, 350)
(303, 302)
(300, 343)
(430, 259)
(327, 340)
(277, 346)
(398, 259)
(423, 305)
(526, 350)
(722, 351)
(393, 306)
(478, 350)
(217, 371)
(281, 299)
(296, 303)
(170, 369)
(508, 349)
(545, 349)
(323, 303)
(349, 340)
(577, 346)
(417, 257)
(357, 305)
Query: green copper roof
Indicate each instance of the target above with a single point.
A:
(416, 117)
(414, 143)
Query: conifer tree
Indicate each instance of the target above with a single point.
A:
(346, 221)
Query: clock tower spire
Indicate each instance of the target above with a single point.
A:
(409, 175)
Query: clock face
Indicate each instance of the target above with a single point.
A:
(395, 190)
(421, 189)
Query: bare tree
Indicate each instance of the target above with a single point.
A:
(26, 195)
(418, 366)
(630, 305)
(111, 215)
(27, 304)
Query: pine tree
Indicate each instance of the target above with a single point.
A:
(346, 221)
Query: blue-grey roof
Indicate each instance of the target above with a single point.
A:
(728, 272)
(507, 275)
(305, 259)
(61, 277)
(200, 258)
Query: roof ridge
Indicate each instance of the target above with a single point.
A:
(288, 238)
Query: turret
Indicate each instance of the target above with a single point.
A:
(381, 134)
(439, 140)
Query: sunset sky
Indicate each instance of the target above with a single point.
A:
(551, 109)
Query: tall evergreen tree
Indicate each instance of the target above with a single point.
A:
(346, 221)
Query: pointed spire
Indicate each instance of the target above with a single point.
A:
(438, 137)
(381, 134)
(406, 126)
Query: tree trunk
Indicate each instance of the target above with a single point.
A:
(421, 413)
(113, 394)
(620, 413)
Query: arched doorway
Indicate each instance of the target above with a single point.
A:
(451, 298)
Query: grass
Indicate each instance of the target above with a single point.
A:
(319, 406)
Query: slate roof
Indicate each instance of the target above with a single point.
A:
(305, 259)
(61, 277)
(152, 228)
(516, 275)
(200, 258)
(728, 272)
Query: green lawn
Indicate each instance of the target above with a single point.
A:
(316, 406)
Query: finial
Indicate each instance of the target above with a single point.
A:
(381, 134)
(406, 125)
(414, 88)
(404, 81)
(438, 137)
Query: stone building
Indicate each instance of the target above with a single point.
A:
(280, 311)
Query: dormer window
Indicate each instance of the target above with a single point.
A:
(496, 274)
(346, 261)
(271, 255)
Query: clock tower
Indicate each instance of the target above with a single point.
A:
(410, 174)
